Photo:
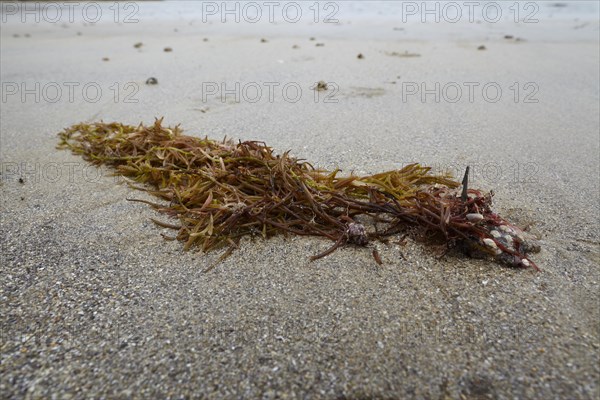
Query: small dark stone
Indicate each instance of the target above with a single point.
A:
(263, 40)
(508, 36)
(138, 45)
(21, 180)
(168, 49)
(482, 47)
(152, 81)
(320, 44)
(360, 56)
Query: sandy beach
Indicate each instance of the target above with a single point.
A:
(96, 304)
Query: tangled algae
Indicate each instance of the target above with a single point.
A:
(221, 191)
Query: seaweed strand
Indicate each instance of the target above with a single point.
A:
(221, 191)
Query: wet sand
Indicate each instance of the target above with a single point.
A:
(96, 304)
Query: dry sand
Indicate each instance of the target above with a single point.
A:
(96, 304)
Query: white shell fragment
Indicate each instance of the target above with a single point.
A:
(474, 217)
(525, 263)
(495, 234)
(490, 243)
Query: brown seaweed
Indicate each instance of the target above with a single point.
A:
(221, 191)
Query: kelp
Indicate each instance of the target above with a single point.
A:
(221, 191)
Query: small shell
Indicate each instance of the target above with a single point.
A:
(506, 228)
(474, 217)
(525, 263)
(490, 243)
(357, 234)
(496, 234)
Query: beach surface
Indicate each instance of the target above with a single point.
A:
(95, 303)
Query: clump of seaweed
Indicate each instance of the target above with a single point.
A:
(221, 191)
